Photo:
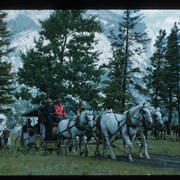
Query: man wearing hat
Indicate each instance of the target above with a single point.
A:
(60, 110)
(49, 112)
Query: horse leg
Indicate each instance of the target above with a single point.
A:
(86, 150)
(80, 146)
(74, 138)
(97, 151)
(128, 150)
(108, 144)
(98, 141)
(145, 147)
(59, 144)
(104, 147)
(66, 143)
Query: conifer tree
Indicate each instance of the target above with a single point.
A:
(63, 61)
(120, 70)
(155, 80)
(172, 72)
(7, 77)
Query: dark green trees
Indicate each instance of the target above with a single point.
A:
(121, 73)
(156, 77)
(6, 75)
(63, 62)
(172, 72)
(164, 78)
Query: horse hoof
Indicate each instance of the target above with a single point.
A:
(131, 160)
(114, 158)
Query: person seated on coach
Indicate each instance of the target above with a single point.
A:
(60, 110)
(28, 128)
(27, 133)
(49, 112)
(37, 127)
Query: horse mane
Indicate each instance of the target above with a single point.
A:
(131, 111)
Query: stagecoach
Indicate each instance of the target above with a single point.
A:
(38, 140)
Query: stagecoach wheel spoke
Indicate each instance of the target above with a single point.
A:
(19, 143)
(37, 142)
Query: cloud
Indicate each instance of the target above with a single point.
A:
(161, 19)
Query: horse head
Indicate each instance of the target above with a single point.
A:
(86, 119)
(146, 116)
(139, 114)
(157, 118)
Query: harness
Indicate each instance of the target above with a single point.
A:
(119, 127)
(77, 125)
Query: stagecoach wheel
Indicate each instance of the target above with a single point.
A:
(19, 143)
(37, 142)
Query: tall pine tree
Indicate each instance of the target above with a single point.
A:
(155, 80)
(7, 77)
(120, 70)
(172, 72)
(64, 59)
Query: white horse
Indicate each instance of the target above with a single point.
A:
(143, 130)
(121, 125)
(70, 129)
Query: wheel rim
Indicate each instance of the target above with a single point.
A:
(37, 142)
(19, 144)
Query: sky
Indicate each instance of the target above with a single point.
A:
(161, 19)
(157, 19)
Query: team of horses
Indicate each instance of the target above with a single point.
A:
(106, 126)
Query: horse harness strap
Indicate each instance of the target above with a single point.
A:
(68, 127)
(119, 127)
(78, 124)
(129, 123)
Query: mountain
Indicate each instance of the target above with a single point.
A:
(24, 26)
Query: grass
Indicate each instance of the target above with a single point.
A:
(35, 163)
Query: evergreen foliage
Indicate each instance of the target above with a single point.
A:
(172, 72)
(155, 80)
(63, 62)
(121, 71)
(7, 77)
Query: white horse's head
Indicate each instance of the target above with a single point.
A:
(146, 115)
(140, 113)
(157, 117)
(86, 119)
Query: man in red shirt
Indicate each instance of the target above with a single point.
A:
(60, 110)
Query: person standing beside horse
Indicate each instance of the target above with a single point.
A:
(59, 110)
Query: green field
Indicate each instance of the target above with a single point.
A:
(44, 163)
